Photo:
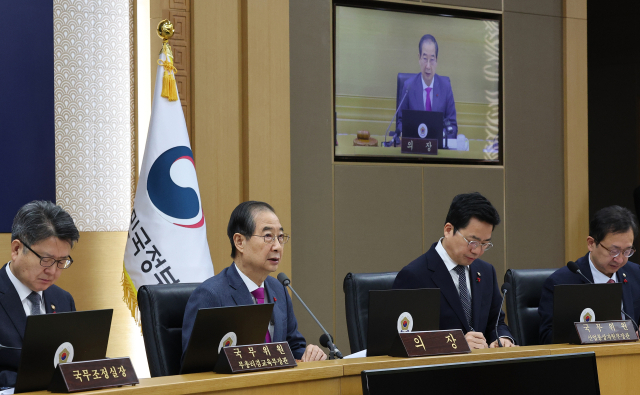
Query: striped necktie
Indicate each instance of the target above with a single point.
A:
(464, 292)
(34, 298)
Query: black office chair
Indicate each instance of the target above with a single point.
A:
(356, 288)
(161, 312)
(522, 303)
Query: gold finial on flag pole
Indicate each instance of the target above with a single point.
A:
(165, 32)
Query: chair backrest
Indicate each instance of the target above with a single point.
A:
(402, 77)
(161, 312)
(356, 288)
(523, 301)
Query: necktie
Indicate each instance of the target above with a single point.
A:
(259, 295)
(427, 103)
(610, 281)
(464, 292)
(34, 298)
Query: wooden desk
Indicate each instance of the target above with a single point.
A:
(617, 365)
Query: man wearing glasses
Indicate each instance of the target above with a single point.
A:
(42, 236)
(612, 231)
(470, 296)
(257, 245)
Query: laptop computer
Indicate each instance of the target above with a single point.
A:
(592, 302)
(217, 327)
(50, 339)
(423, 124)
(395, 310)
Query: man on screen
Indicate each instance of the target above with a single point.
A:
(42, 236)
(470, 298)
(612, 231)
(257, 245)
(428, 91)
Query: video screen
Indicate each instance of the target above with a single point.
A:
(416, 84)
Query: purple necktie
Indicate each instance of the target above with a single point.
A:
(259, 295)
(427, 103)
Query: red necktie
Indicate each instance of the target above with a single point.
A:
(427, 103)
(610, 281)
(259, 295)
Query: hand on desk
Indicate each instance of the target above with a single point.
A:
(313, 353)
(476, 340)
(506, 342)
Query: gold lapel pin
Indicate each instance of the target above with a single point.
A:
(53, 307)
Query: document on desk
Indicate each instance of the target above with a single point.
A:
(359, 354)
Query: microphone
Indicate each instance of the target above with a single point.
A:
(333, 350)
(9, 348)
(385, 144)
(575, 269)
(506, 287)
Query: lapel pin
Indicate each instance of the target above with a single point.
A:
(478, 278)
(624, 274)
(53, 307)
(274, 299)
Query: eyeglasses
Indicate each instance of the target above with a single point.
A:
(474, 244)
(270, 239)
(614, 252)
(48, 261)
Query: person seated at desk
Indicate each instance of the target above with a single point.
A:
(612, 231)
(42, 236)
(470, 296)
(428, 91)
(257, 246)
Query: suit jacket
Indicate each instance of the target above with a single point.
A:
(429, 271)
(630, 292)
(442, 99)
(227, 289)
(13, 321)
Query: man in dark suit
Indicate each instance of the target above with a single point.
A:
(257, 241)
(470, 296)
(42, 236)
(428, 91)
(612, 231)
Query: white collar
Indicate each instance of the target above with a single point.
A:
(23, 290)
(247, 281)
(598, 277)
(424, 84)
(444, 255)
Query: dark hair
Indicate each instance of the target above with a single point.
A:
(613, 219)
(471, 205)
(427, 37)
(39, 220)
(243, 220)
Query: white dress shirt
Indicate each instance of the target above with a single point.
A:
(23, 292)
(252, 287)
(451, 265)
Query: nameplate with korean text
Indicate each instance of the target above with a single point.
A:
(255, 357)
(91, 375)
(606, 331)
(419, 146)
(422, 344)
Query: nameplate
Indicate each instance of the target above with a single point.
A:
(422, 344)
(419, 146)
(255, 357)
(91, 375)
(606, 332)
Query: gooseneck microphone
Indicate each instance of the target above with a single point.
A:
(506, 287)
(9, 348)
(333, 350)
(575, 269)
(385, 144)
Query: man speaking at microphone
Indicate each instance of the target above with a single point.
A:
(257, 246)
(428, 91)
(470, 298)
(612, 231)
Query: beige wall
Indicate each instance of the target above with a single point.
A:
(361, 217)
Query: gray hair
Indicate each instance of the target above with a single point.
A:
(39, 220)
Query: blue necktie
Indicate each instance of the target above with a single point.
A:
(34, 298)
(464, 292)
